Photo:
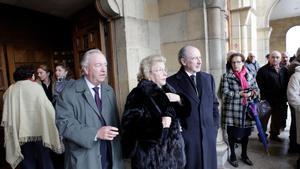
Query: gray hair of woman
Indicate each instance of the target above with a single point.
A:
(147, 63)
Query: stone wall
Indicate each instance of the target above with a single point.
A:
(137, 35)
(181, 23)
(279, 30)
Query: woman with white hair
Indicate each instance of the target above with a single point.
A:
(151, 131)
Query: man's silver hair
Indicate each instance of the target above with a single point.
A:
(274, 52)
(182, 52)
(85, 59)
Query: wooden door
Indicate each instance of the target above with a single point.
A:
(27, 55)
(3, 87)
(90, 30)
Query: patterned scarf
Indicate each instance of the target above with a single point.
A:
(244, 84)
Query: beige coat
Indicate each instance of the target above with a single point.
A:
(293, 94)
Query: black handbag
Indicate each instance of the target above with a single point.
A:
(263, 107)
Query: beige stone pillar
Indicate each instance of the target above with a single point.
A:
(263, 39)
(240, 19)
(216, 51)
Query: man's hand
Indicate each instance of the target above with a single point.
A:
(173, 97)
(107, 133)
(166, 121)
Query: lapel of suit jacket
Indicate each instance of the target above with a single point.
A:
(87, 95)
(185, 84)
(199, 83)
(105, 98)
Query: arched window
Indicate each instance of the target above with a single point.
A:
(293, 40)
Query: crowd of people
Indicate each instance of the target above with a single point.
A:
(168, 122)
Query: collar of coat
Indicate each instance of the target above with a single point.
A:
(247, 75)
(82, 86)
(150, 88)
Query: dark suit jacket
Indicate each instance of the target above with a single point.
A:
(77, 118)
(200, 128)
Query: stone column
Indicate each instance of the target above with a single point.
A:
(216, 51)
(263, 40)
(240, 19)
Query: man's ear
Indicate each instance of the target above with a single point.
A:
(84, 69)
(182, 61)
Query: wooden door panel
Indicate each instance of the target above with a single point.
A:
(22, 55)
(3, 77)
(3, 87)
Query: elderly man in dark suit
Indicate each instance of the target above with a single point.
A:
(272, 81)
(200, 128)
(88, 120)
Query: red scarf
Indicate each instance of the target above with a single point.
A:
(244, 84)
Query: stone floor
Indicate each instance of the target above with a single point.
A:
(278, 157)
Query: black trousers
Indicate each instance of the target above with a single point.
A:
(278, 112)
(293, 132)
(36, 156)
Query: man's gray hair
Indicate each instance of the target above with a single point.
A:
(274, 53)
(182, 52)
(85, 59)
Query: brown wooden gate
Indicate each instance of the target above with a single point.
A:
(3, 87)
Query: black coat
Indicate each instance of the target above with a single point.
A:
(200, 128)
(143, 138)
(273, 85)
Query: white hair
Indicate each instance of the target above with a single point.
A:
(85, 59)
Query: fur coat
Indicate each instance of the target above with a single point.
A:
(144, 139)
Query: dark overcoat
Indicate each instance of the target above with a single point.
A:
(200, 128)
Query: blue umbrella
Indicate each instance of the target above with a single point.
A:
(261, 133)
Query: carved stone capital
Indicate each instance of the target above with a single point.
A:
(110, 9)
(215, 4)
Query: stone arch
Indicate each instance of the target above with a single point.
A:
(269, 12)
(263, 13)
(292, 50)
(279, 30)
(110, 9)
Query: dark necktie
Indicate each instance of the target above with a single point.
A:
(193, 78)
(97, 99)
(99, 104)
(105, 149)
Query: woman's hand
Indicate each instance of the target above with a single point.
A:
(254, 93)
(245, 94)
(173, 97)
(166, 121)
